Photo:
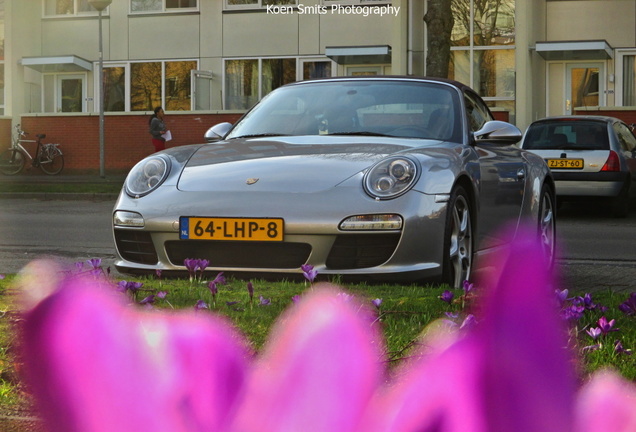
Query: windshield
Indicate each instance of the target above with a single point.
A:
(567, 135)
(377, 108)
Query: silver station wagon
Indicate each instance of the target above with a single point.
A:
(590, 157)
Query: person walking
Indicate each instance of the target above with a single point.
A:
(158, 129)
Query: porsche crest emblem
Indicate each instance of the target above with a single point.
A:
(251, 181)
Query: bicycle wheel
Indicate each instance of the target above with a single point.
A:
(51, 160)
(11, 161)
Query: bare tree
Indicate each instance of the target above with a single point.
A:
(439, 25)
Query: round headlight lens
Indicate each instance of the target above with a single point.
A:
(147, 175)
(391, 177)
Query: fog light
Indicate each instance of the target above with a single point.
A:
(128, 219)
(375, 222)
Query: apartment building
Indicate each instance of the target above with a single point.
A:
(202, 59)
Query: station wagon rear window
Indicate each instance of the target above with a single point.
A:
(567, 135)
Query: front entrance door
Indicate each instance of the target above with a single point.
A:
(70, 93)
(585, 86)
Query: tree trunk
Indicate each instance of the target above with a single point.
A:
(439, 25)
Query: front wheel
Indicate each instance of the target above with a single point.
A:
(11, 162)
(458, 240)
(52, 161)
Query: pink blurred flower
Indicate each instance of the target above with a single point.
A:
(96, 365)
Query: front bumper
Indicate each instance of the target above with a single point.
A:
(600, 184)
(312, 235)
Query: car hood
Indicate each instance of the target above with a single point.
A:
(294, 164)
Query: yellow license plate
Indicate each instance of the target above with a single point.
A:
(233, 229)
(565, 163)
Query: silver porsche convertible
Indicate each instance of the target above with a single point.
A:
(395, 178)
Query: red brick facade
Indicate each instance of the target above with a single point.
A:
(127, 140)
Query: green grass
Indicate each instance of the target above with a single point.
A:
(405, 312)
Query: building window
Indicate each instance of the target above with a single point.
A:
(254, 4)
(248, 80)
(142, 86)
(629, 80)
(483, 49)
(163, 5)
(68, 7)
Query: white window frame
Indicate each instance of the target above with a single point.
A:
(618, 73)
(164, 9)
(76, 12)
(258, 5)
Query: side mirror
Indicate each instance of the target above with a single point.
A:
(217, 132)
(498, 132)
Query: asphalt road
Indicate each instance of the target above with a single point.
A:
(596, 250)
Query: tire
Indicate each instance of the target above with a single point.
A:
(11, 162)
(546, 226)
(52, 161)
(458, 240)
(620, 204)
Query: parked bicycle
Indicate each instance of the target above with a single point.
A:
(47, 156)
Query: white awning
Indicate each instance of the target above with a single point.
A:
(69, 63)
(575, 50)
(379, 54)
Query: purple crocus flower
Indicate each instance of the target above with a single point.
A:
(562, 296)
(263, 301)
(467, 286)
(377, 303)
(200, 304)
(309, 272)
(594, 332)
(213, 288)
(220, 279)
(191, 265)
(573, 312)
(95, 262)
(162, 294)
(131, 286)
(447, 296)
(606, 326)
(629, 306)
(618, 347)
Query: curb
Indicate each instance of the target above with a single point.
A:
(60, 196)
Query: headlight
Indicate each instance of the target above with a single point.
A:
(391, 177)
(147, 175)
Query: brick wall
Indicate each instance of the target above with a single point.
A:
(5, 133)
(627, 114)
(126, 137)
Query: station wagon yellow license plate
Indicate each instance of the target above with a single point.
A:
(233, 229)
(565, 163)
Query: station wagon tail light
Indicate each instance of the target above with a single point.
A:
(613, 163)
(376, 222)
(391, 177)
